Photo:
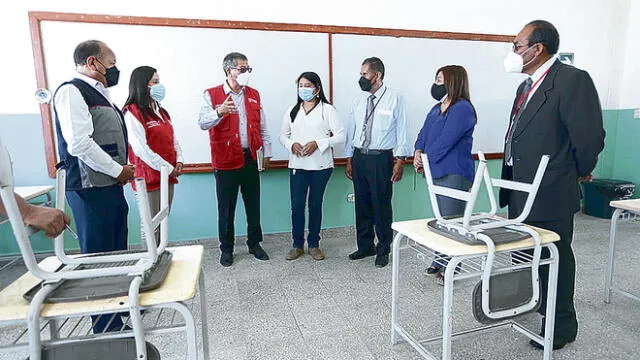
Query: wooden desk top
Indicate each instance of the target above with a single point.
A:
(32, 192)
(179, 285)
(631, 204)
(418, 231)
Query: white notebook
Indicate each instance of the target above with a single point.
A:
(260, 158)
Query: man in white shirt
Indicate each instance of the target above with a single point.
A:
(92, 145)
(376, 148)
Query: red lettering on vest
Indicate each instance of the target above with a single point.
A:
(160, 139)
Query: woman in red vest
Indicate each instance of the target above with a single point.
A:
(152, 142)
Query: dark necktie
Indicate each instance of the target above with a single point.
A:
(522, 104)
(368, 120)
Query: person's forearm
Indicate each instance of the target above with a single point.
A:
(23, 206)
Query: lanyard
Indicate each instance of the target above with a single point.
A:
(370, 115)
(524, 97)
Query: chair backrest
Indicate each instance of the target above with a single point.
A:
(470, 197)
(143, 260)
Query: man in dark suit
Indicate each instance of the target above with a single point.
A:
(556, 112)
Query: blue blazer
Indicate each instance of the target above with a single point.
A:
(447, 138)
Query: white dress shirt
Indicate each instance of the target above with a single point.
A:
(537, 75)
(315, 126)
(389, 123)
(138, 141)
(209, 118)
(77, 127)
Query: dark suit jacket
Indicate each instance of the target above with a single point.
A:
(563, 119)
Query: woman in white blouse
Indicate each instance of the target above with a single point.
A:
(310, 129)
(150, 133)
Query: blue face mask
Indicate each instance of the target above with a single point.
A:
(157, 92)
(306, 94)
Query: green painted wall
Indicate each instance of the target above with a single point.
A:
(626, 164)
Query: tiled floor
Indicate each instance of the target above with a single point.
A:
(339, 309)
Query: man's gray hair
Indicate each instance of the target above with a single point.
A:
(231, 60)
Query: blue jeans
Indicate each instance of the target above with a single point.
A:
(303, 183)
(449, 206)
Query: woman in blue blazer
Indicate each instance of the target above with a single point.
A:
(446, 137)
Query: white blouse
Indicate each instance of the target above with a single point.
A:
(316, 126)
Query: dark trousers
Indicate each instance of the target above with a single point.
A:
(449, 206)
(373, 191)
(303, 183)
(566, 324)
(228, 182)
(100, 214)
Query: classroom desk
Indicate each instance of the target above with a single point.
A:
(509, 257)
(624, 210)
(32, 192)
(183, 280)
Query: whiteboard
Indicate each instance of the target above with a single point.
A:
(410, 66)
(189, 60)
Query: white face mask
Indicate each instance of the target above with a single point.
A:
(243, 79)
(514, 63)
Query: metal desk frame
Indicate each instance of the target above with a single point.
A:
(625, 210)
(508, 258)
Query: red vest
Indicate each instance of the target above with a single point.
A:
(159, 133)
(224, 138)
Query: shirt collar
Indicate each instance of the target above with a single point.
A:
(380, 91)
(95, 83)
(227, 89)
(542, 69)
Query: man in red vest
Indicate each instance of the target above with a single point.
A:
(233, 115)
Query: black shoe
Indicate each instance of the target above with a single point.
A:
(382, 260)
(557, 343)
(357, 255)
(226, 259)
(258, 252)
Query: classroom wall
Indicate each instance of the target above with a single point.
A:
(597, 52)
(630, 83)
(605, 50)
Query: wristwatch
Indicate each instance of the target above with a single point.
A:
(403, 158)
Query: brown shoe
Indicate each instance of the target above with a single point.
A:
(294, 253)
(316, 253)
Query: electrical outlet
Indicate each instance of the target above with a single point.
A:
(636, 114)
(351, 198)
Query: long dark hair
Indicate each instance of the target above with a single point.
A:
(315, 80)
(139, 90)
(456, 81)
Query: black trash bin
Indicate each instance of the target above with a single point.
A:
(599, 192)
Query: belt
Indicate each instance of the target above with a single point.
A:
(372, 151)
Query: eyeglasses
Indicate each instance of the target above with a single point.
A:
(242, 69)
(515, 45)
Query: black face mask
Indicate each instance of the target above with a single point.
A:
(365, 84)
(112, 75)
(438, 91)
